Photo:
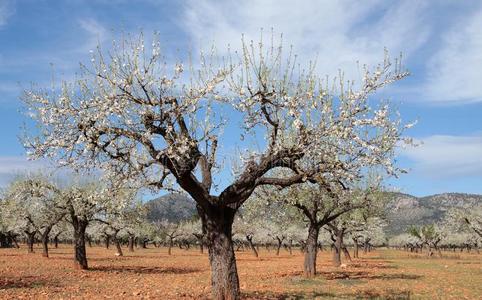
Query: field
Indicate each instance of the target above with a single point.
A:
(151, 273)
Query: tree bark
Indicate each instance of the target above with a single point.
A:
(80, 257)
(311, 251)
(217, 223)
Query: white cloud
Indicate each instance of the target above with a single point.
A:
(6, 10)
(455, 70)
(336, 33)
(447, 156)
(97, 33)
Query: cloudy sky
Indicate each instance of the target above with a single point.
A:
(441, 42)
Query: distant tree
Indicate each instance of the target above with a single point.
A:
(39, 207)
(466, 219)
(429, 235)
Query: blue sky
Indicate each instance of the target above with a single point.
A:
(441, 43)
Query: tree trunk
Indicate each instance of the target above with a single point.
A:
(56, 241)
(346, 253)
(14, 239)
(337, 249)
(311, 251)
(118, 247)
(5, 240)
(45, 241)
(251, 245)
(80, 258)
(131, 243)
(217, 223)
(355, 248)
(170, 246)
(280, 243)
(107, 241)
(30, 241)
(200, 238)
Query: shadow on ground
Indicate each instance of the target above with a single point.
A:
(367, 294)
(26, 282)
(366, 275)
(144, 270)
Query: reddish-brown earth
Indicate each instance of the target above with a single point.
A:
(151, 273)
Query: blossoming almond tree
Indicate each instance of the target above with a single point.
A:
(38, 207)
(137, 117)
(86, 201)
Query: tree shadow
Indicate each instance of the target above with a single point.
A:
(144, 270)
(366, 294)
(365, 275)
(26, 282)
(11, 254)
(371, 266)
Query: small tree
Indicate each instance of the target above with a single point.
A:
(428, 235)
(85, 202)
(38, 205)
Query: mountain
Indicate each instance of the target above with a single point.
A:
(171, 207)
(404, 210)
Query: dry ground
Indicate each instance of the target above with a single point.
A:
(151, 273)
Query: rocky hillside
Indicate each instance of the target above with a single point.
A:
(404, 210)
(171, 207)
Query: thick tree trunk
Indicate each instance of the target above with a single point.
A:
(217, 223)
(311, 251)
(249, 238)
(80, 257)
